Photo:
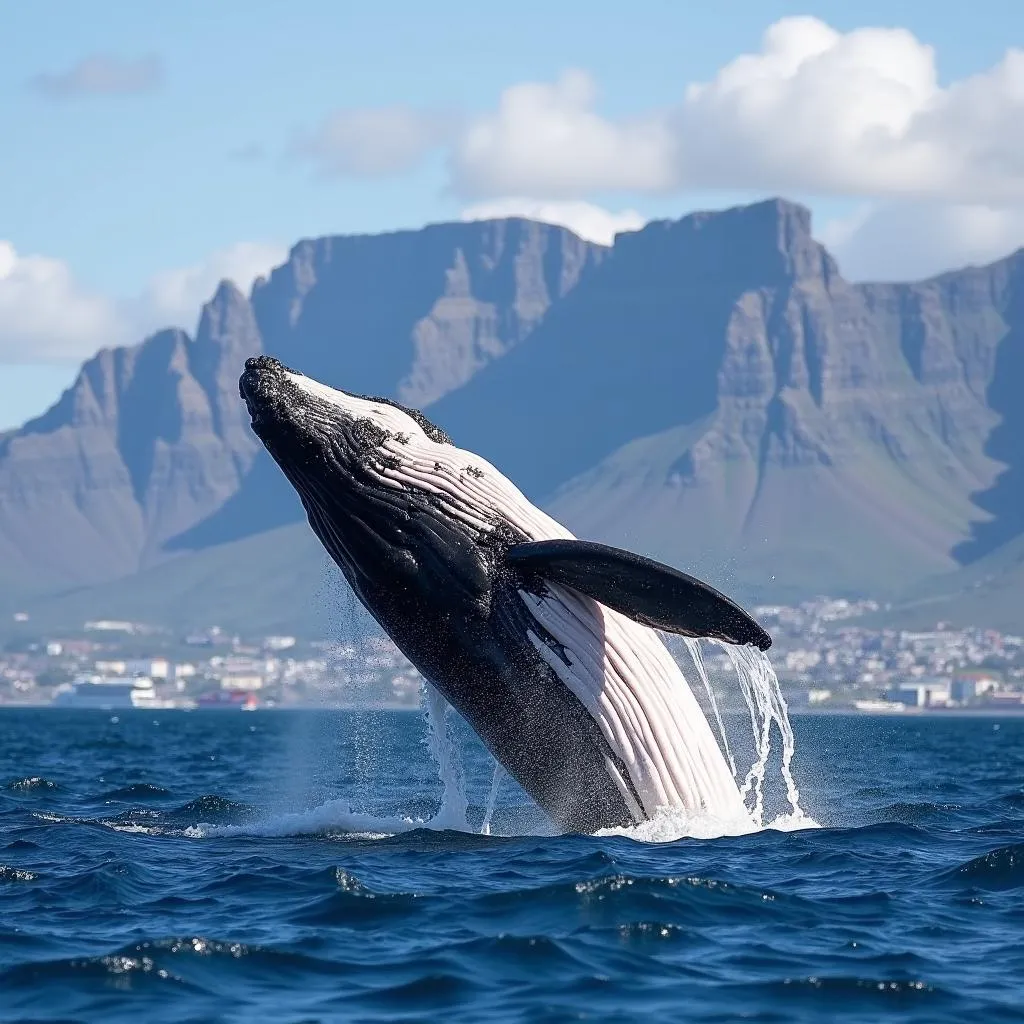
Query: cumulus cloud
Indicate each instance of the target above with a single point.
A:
(102, 75)
(587, 220)
(905, 241)
(857, 113)
(173, 297)
(375, 142)
(46, 315)
(547, 140)
(812, 111)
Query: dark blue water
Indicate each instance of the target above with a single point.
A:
(116, 906)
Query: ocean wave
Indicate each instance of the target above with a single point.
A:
(9, 874)
(136, 791)
(1002, 868)
(208, 903)
(332, 817)
(31, 784)
(217, 810)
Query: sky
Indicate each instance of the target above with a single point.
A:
(150, 150)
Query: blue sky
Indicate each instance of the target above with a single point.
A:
(150, 148)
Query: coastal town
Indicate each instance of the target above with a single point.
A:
(828, 654)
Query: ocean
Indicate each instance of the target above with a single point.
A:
(273, 866)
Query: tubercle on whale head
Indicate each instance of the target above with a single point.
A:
(266, 381)
(261, 387)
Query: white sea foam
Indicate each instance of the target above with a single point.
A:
(672, 823)
(333, 816)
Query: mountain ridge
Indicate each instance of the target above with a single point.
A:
(708, 390)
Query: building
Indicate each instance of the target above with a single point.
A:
(155, 668)
(241, 682)
(1005, 699)
(922, 693)
(969, 685)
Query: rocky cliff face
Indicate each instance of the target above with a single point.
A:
(149, 452)
(146, 441)
(733, 405)
(709, 390)
(415, 314)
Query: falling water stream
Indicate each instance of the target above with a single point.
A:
(444, 749)
(492, 797)
(766, 707)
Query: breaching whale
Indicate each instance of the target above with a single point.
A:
(545, 644)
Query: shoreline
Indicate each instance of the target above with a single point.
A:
(798, 712)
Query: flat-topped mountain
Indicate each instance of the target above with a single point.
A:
(709, 390)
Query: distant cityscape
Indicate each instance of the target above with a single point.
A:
(825, 659)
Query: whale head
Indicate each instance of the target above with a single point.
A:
(371, 474)
(297, 417)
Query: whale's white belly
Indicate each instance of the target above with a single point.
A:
(631, 685)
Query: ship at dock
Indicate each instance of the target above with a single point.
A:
(110, 694)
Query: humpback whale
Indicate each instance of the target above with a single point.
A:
(547, 645)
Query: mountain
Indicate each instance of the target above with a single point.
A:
(716, 394)
(987, 593)
(708, 390)
(147, 441)
(149, 452)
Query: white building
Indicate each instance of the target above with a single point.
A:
(155, 668)
(241, 682)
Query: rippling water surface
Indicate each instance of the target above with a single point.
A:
(226, 866)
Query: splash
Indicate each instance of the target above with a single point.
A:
(766, 707)
(444, 748)
(767, 713)
(697, 657)
(492, 798)
(332, 816)
(672, 823)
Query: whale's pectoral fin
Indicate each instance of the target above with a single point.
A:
(644, 590)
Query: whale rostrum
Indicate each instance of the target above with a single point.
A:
(547, 645)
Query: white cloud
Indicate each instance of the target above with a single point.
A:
(173, 297)
(906, 241)
(374, 142)
(859, 113)
(102, 75)
(548, 140)
(814, 111)
(46, 315)
(588, 221)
